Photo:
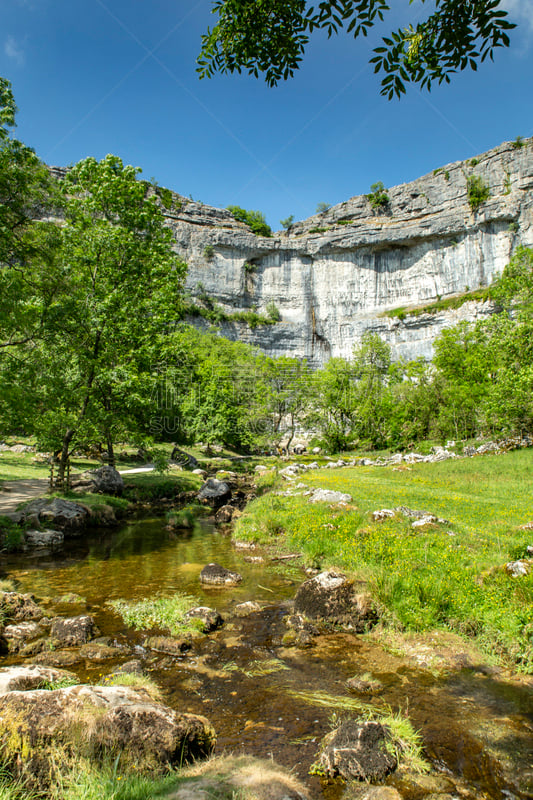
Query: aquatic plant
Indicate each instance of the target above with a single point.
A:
(168, 613)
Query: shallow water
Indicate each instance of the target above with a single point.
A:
(476, 726)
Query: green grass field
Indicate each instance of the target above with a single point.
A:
(443, 575)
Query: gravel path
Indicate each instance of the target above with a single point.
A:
(13, 493)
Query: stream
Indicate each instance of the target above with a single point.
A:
(268, 700)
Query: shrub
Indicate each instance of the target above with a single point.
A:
(318, 230)
(477, 191)
(378, 197)
(273, 311)
(255, 220)
(286, 223)
(209, 252)
(11, 535)
(249, 267)
(322, 208)
(518, 143)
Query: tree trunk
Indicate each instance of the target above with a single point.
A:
(291, 437)
(64, 457)
(110, 449)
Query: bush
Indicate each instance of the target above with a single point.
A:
(477, 191)
(209, 252)
(273, 311)
(322, 208)
(286, 223)
(255, 220)
(378, 197)
(11, 535)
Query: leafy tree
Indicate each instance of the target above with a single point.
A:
(120, 295)
(270, 36)
(415, 403)
(465, 359)
(334, 404)
(27, 241)
(322, 208)
(8, 108)
(514, 289)
(224, 400)
(510, 398)
(288, 390)
(371, 365)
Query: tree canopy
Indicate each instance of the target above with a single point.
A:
(270, 37)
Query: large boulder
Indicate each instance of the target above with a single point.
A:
(68, 516)
(96, 721)
(357, 750)
(214, 493)
(104, 480)
(331, 597)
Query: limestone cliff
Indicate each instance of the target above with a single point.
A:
(336, 274)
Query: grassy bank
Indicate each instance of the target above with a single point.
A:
(219, 778)
(441, 575)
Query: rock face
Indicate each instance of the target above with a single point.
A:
(357, 750)
(331, 276)
(331, 597)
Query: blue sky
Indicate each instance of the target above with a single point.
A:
(93, 77)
